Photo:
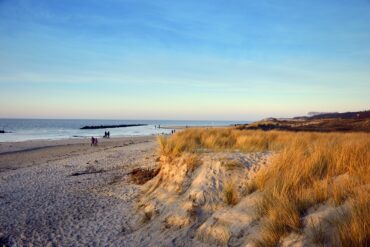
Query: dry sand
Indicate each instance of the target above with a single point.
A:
(188, 208)
(67, 193)
(42, 203)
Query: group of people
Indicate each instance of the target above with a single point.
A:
(94, 140)
(106, 134)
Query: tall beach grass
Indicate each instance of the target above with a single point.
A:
(308, 169)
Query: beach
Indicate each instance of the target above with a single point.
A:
(184, 123)
(197, 187)
(67, 193)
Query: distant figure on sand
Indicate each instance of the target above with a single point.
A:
(94, 141)
(106, 134)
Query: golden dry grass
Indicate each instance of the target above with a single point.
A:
(308, 169)
(306, 172)
(353, 225)
(249, 187)
(221, 139)
(192, 162)
(230, 193)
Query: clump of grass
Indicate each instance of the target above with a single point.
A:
(340, 191)
(269, 235)
(230, 193)
(147, 216)
(192, 161)
(278, 222)
(354, 224)
(318, 192)
(249, 187)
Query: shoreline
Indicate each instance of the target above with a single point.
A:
(30, 153)
(163, 129)
(75, 138)
(32, 145)
(9, 147)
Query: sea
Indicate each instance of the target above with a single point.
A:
(55, 129)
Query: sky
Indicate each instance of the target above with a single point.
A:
(194, 60)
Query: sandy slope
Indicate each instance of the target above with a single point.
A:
(188, 208)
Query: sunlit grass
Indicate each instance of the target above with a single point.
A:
(221, 139)
(308, 169)
(306, 173)
(230, 193)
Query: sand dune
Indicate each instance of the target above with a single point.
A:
(186, 207)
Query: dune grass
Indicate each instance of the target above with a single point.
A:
(230, 193)
(308, 169)
(221, 139)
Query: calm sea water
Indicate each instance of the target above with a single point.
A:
(37, 129)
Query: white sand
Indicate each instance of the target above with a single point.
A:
(41, 204)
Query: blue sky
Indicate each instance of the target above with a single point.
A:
(218, 60)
